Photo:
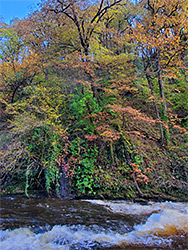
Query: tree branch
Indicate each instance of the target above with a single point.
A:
(101, 11)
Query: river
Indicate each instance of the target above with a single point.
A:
(38, 224)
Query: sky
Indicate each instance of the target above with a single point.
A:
(9, 9)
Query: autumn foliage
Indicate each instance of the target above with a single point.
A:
(96, 93)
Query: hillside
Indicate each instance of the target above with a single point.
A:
(94, 100)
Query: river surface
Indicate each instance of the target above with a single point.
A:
(38, 224)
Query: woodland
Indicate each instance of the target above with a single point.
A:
(94, 100)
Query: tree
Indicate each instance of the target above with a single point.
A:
(161, 36)
(85, 15)
(18, 65)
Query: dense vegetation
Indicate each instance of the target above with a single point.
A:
(96, 91)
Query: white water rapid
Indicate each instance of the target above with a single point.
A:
(165, 223)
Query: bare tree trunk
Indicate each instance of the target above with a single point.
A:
(14, 93)
(164, 106)
(160, 82)
(46, 74)
(155, 106)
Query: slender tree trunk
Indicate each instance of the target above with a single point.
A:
(155, 106)
(160, 83)
(14, 93)
(152, 92)
(128, 158)
(46, 74)
(164, 106)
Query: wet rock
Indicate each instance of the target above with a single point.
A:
(64, 189)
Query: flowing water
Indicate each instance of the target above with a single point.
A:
(38, 224)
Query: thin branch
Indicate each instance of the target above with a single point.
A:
(152, 8)
(101, 11)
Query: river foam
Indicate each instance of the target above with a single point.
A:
(132, 208)
(161, 225)
(164, 221)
